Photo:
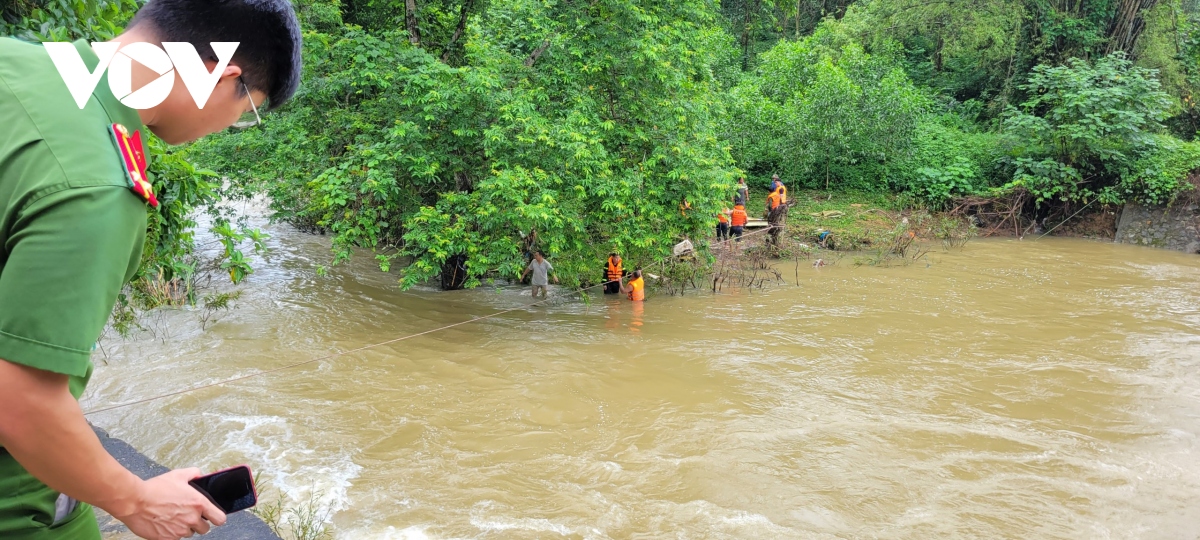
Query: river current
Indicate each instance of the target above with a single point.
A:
(1010, 389)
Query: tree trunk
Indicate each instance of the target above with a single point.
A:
(798, 18)
(454, 273)
(537, 53)
(458, 32)
(1127, 25)
(410, 20)
(937, 54)
(746, 36)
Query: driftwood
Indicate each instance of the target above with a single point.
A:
(993, 215)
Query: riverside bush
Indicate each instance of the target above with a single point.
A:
(1094, 131)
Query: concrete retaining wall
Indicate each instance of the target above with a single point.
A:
(1176, 227)
(240, 526)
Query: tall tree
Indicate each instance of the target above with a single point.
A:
(589, 123)
(1127, 25)
(410, 22)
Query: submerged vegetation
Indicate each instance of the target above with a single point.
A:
(461, 133)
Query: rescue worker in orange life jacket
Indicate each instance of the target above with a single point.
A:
(636, 287)
(613, 272)
(776, 198)
(738, 220)
(775, 183)
(723, 224)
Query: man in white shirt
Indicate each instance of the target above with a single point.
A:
(541, 269)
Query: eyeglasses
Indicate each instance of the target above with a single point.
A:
(249, 119)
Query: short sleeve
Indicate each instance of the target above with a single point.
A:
(68, 255)
(549, 266)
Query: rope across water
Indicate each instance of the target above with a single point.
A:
(364, 347)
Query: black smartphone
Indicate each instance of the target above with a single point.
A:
(232, 489)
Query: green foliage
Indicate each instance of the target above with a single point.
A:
(594, 142)
(951, 158)
(1082, 111)
(65, 20)
(170, 271)
(939, 184)
(831, 117)
(1159, 174)
(306, 520)
(963, 48)
(1089, 130)
(319, 15)
(594, 123)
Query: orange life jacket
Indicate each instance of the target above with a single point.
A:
(639, 290)
(777, 197)
(722, 217)
(614, 271)
(773, 200)
(739, 216)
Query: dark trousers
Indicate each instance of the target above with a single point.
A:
(612, 287)
(736, 231)
(722, 231)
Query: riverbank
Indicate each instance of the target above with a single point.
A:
(860, 221)
(241, 526)
(855, 220)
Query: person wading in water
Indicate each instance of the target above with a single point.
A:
(636, 287)
(541, 269)
(613, 272)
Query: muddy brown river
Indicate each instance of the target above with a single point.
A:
(1013, 389)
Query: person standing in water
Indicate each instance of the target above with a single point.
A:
(636, 289)
(614, 270)
(541, 270)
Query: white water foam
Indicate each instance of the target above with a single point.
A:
(506, 523)
(294, 470)
(414, 532)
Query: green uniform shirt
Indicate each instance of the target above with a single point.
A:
(71, 234)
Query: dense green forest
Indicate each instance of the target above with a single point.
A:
(429, 129)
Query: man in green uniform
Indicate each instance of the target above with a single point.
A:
(73, 208)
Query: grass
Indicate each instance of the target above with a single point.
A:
(886, 223)
(857, 220)
(306, 520)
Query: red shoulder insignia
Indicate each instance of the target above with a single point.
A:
(133, 162)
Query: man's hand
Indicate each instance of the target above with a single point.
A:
(555, 280)
(168, 508)
(43, 428)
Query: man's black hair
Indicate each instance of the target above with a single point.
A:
(267, 30)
